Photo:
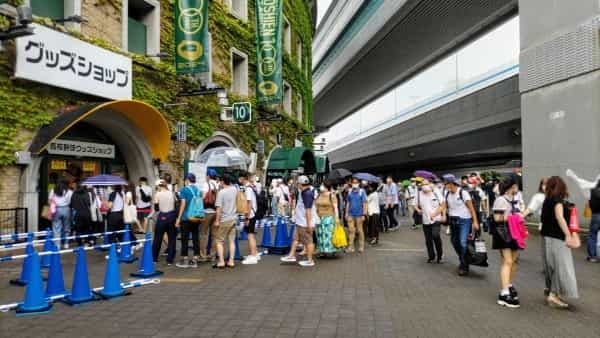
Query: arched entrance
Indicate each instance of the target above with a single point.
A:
(138, 131)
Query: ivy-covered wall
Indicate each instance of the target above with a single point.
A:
(26, 106)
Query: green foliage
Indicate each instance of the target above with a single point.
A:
(26, 106)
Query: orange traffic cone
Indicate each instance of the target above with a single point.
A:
(574, 220)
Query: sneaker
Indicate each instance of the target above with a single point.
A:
(349, 250)
(592, 259)
(513, 292)
(306, 263)
(288, 259)
(250, 260)
(462, 272)
(374, 241)
(193, 263)
(183, 263)
(508, 301)
(414, 227)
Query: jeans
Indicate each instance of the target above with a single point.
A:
(165, 223)
(593, 236)
(61, 223)
(186, 229)
(432, 237)
(460, 228)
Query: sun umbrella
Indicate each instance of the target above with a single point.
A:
(225, 157)
(104, 180)
(367, 177)
(338, 175)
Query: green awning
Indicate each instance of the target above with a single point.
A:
(322, 164)
(292, 159)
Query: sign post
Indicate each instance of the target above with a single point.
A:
(242, 112)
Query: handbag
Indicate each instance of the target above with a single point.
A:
(339, 237)
(477, 252)
(46, 212)
(129, 213)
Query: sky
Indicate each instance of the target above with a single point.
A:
(322, 6)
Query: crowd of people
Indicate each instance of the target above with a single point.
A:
(225, 204)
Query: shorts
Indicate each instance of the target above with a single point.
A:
(143, 213)
(304, 235)
(250, 227)
(226, 230)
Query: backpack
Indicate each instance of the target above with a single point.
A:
(211, 197)
(460, 197)
(143, 196)
(476, 199)
(262, 203)
(195, 211)
(595, 200)
(241, 202)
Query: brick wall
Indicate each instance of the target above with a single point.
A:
(9, 186)
(104, 21)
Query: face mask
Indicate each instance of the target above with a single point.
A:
(355, 186)
(322, 188)
(426, 188)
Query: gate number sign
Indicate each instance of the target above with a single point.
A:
(242, 112)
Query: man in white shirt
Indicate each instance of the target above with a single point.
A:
(428, 202)
(249, 218)
(283, 199)
(462, 218)
(209, 191)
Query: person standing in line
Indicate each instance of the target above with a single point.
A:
(249, 218)
(143, 203)
(591, 192)
(391, 202)
(428, 202)
(461, 217)
(61, 220)
(257, 185)
(383, 221)
(355, 214)
(560, 272)
(225, 218)
(187, 194)
(283, 199)
(210, 188)
(306, 216)
(402, 200)
(504, 206)
(130, 198)
(411, 200)
(81, 208)
(164, 204)
(373, 215)
(116, 204)
(327, 210)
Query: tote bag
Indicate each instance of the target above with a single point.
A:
(339, 237)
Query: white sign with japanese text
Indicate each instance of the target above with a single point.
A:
(81, 149)
(57, 59)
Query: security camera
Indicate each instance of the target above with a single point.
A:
(24, 15)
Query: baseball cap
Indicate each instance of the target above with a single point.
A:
(211, 172)
(303, 180)
(191, 177)
(449, 178)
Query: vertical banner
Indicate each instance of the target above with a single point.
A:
(191, 36)
(269, 87)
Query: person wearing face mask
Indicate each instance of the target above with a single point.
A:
(428, 201)
(355, 214)
(411, 200)
(373, 215)
(391, 202)
(503, 207)
(327, 211)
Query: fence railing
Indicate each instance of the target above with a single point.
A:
(13, 221)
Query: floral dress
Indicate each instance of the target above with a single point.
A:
(326, 211)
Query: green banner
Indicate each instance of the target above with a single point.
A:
(191, 36)
(269, 86)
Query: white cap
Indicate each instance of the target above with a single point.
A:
(303, 180)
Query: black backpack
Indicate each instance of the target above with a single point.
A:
(143, 196)
(476, 199)
(595, 200)
(262, 203)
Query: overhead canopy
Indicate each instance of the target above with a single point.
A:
(292, 159)
(322, 164)
(146, 118)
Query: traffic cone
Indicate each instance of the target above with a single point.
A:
(125, 256)
(35, 301)
(48, 246)
(574, 220)
(112, 277)
(147, 262)
(243, 236)
(56, 283)
(281, 244)
(266, 242)
(80, 290)
(26, 267)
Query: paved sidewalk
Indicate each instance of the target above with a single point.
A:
(389, 291)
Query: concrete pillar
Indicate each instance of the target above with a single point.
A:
(559, 84)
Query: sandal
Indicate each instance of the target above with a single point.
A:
(216, 266)
(555, 302)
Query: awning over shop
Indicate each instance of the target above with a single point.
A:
(150, 122)
(322, 164)
(292, 159)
